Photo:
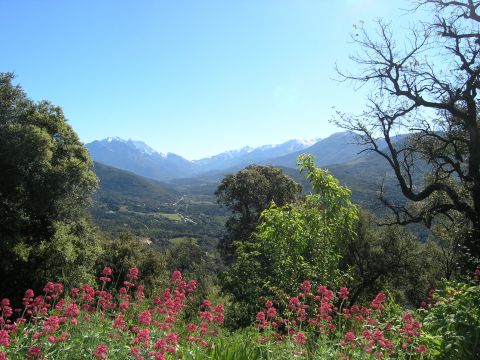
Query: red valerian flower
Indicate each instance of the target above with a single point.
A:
(4, 338)
(271, 312)
(343, 293)
(133, 274)
(176, 277)
(421, 349)
(101, 352)
(145, 318)
(350, 336)
(35, 351)
(192, 327)
(107, 271)
(476, 274)
(379, 299)
(306, 286)
(300, 338)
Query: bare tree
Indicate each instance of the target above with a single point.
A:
(425, 85)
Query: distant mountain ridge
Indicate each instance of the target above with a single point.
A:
(141, 159)
(338, 148)
(138, 157)
(248, 155)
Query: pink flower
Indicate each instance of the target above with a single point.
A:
(4, 338)
(145, 318)
(300, 338)
(101, 352)
(271, 312)
(379, 299)
(172, 338)
(343, 293)
(306, 286)
(206, 304)
(107, 271)
(350, 336)
(49, 287)
(260, 316)
(219, 308)
(71, 310)
(35, 351)
(176, 277)
(192, 327)
(476, 274)
(294, 303)
(421, 349)
(133, 274)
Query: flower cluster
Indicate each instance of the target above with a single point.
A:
(321, 316)
(148, 329)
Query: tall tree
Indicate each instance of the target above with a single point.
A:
(293, 243)
(426, 85)
(247, 194)
(45, 187)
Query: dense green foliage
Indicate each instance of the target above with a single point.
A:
(453, 321)
(293, 243)
(45, 189)
(390, 258)
(247, 194)
(154, 211)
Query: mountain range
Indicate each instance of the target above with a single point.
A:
(165, 196)
(141, 159)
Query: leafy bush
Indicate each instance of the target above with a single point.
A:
(452, 321)
(292, 243)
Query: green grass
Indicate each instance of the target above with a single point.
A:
(173, 217)
(179, 240)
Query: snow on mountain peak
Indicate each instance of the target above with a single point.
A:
(307, 142)
(144, 148)
(114, 138)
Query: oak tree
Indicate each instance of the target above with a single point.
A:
(247, 193)
(46, 184)
(425, 85)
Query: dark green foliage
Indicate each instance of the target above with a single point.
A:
(292, 243)
(188, 257)
(154, 210)
(123, 187)
(247, 194)
(46, 185)
(125, 252)
(389, 258)
(452, 324)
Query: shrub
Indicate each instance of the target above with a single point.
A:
(452, 323)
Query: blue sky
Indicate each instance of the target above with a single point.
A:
(193, 77)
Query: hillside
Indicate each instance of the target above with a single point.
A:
(153, 210)
(338, 148)
(124, 186)
(139, 158)
(187, 207)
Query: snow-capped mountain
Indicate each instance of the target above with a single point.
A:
(138, 157)
(338, 148)
(249, 155)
